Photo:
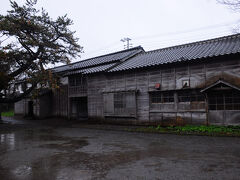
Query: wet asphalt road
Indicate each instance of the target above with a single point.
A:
(42, 152)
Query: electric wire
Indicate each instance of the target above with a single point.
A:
(164, 39)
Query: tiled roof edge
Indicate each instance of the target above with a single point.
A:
(196, 42)
(125, 59)
(125, 50)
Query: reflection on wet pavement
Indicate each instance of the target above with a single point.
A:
(78, 153)
(7, 142)
(40, 154)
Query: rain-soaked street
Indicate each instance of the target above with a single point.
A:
(40, 151)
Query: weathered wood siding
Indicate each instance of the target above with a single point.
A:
(21, 107)
(96, 84)
(60, 102)
(199, 74)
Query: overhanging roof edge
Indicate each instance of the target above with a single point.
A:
(218, 82)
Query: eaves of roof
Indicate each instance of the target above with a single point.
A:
(220, 82)
(100, 60)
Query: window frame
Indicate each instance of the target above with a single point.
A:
(75, 81)
(189, 95)
(224, 101)
(120, 104)
(160, 97)
(119, 100)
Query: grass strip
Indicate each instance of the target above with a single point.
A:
(211, 130)
(8, 114)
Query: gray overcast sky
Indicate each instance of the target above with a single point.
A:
(153, 24)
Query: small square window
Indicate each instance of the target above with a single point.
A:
(185, 83)
(156, 97)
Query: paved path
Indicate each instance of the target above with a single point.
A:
(37, 151)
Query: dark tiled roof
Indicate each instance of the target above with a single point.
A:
(197, 50)
(100, 60)
(106, 58)
(61, 68)
(90, 70)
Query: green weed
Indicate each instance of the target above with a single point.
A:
(191, 129)
(8, 114)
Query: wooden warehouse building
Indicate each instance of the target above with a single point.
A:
(195, 83)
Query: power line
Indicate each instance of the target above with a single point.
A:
(187, 31)
(183, 40)
(190, 36)
(128, 45)
(104, 47)
(102, 51)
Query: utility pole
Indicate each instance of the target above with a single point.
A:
(127, 40)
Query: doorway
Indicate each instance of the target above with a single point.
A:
(79, 108)
(30, 108)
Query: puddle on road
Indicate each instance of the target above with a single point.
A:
(67, 160)
(23, 170)
(59, 157)
(67, 146)
(7, 142)
(54, 153)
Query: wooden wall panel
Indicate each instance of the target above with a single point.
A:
(120, 82)
(184, 106)
(19, 107)
(199, 118)
(183, 118)
(155, 118)
(142, 82)
(60, 102)
(96, 85)
(200, 75)
(154, 78)
(130, 81)
(197, 80)
(143, 106)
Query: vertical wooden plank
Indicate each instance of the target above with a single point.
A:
(131, 103)
(108, 103)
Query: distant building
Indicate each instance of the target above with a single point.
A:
(195, 83)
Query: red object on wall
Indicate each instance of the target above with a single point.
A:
(157, 86)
